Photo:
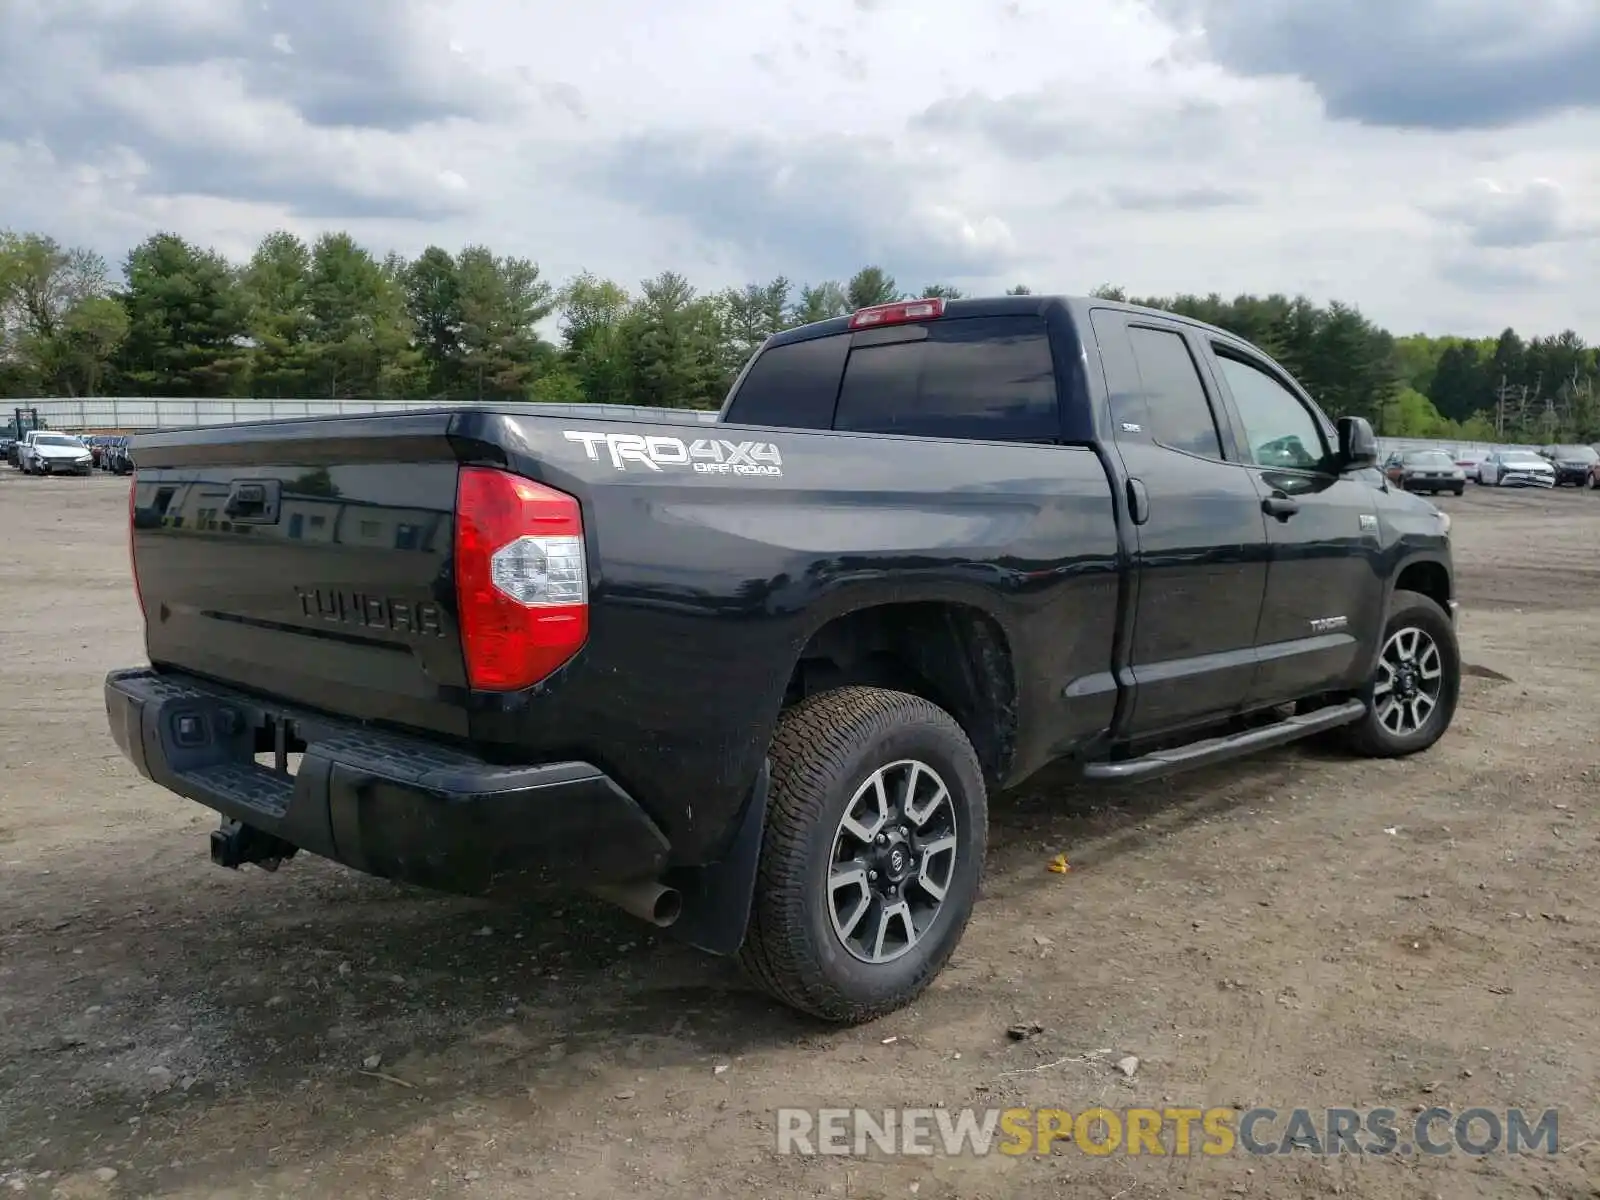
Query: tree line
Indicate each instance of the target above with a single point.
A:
(329, 318)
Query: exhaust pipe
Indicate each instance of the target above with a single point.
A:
(649, 901)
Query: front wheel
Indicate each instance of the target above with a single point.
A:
(1412, 697)
(877, 824)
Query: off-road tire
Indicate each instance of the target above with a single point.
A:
(1369, 737)
(823, 750)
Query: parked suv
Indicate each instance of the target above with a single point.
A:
(1577, 465)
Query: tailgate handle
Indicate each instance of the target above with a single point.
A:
(252, 502)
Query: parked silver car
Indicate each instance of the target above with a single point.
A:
(47, 453)
(1516, 468)
(1425, 471)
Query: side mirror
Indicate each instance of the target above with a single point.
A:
(1358, 445)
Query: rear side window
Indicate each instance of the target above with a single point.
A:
(977, 377)
(1177, 413)
(792, 386)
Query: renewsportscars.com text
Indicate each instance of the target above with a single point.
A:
(1174, 1131)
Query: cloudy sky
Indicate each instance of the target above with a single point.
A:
(1436, 162)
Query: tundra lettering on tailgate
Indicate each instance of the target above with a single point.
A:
(363, 609)
(708, 456)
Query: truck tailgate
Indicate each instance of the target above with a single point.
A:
(309, 561)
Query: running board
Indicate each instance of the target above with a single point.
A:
(1220, 749)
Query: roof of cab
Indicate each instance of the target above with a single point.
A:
(998, 306)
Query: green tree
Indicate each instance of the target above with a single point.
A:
(1417, 359)
(1509, 362)
(433, 302)
(871, 285)
(821, 302)
(940, 290)
(360, 330)
(57, 330)
(502, 301)
(677, 343)
(1461, 385)
(752, 314)
(559, 385)
(276, 288)
(594, 315)
(1411, 414)
(90, 333)
(187, 332)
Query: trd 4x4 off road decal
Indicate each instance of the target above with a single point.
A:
(708, 456)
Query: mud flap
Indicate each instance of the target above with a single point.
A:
(717, 896)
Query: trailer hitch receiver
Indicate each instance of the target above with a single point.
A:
(235, 844)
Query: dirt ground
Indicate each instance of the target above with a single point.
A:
(1296, 930)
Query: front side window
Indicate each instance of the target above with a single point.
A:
(1279, 431)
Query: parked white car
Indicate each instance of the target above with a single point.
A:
(46, 453)
(1516, 468)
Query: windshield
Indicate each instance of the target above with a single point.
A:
(1520, 456)
(1577, 453)
(57, 439)
(1430, 458)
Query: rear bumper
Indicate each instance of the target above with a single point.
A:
(400, 807)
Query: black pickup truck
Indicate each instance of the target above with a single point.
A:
(753, 679)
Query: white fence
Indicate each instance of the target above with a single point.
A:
(135, 414)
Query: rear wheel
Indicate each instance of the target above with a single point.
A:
(877, 824)
(1412, 697)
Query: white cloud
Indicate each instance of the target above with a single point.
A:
(1165, 145)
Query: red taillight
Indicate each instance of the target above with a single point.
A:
(133, 560)
(522, 584)
(898, 313)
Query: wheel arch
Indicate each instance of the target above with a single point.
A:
(949, 647)
(1426, 574)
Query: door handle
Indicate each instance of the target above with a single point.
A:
(1280, 506)
(1138, 501)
